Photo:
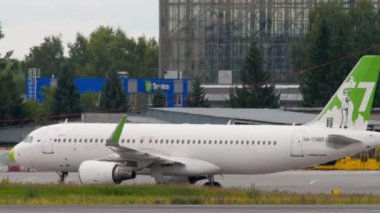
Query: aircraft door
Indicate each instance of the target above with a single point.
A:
(297, 144)
(48, 142)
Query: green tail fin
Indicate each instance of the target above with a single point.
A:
(351, 105)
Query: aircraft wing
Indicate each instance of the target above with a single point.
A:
(127, 154)
(123, 153)
(145, 158)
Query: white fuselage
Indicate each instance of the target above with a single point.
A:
(236, 149)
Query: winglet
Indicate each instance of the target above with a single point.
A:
(115, 137)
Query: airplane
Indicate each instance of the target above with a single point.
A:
(187, 153)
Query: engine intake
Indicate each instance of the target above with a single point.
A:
(102, 172)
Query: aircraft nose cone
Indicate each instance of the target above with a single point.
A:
(12, 155)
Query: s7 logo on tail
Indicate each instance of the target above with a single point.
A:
(368, 86)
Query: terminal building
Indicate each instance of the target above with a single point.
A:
(200, 38)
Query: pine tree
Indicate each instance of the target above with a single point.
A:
(159, 98)
(66, 98)
(113, 96)
(197, 96)
(256, 92)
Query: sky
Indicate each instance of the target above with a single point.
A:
(25, 23)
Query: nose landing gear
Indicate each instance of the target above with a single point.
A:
(62, 176)
(211, 182)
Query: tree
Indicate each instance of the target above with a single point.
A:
(66, 99)
(333, 32)
(256, 90)
(113, 95)
(197, 96)
(78, 56)
(89, 101)
(12, 107)
(111, 49)
(146, 54)
(48, 56)
(159, 98)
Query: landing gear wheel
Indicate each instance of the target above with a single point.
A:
(213, 184)
(62, 176)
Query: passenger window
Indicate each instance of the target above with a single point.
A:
(242, 142)
(247, 142)
(69, 140)
(188, 141)
(122, 140)
(199, 141)
(128, 140)
(96, 140)
(183, 141)
(253, 142)
(90, 140)
(85, 140)
(237, 142)
(80, 140)
(142, 140)
(172, 141)
(221, 142)
(258, 142)
(269, 142)
(263, 142)
(275, 143)
(204, 142)
(133, 141)
(64, 140)
(101, 140)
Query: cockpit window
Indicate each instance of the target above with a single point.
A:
(28, 139)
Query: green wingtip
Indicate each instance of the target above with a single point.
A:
(119, 129)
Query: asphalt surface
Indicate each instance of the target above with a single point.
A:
(297, 181)
(191, 209)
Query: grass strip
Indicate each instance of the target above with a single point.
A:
(70, 194)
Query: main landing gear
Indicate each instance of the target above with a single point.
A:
(211, 182)
(62, 176)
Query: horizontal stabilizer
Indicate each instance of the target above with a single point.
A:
(340, 141)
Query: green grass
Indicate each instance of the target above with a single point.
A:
(66, 194)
